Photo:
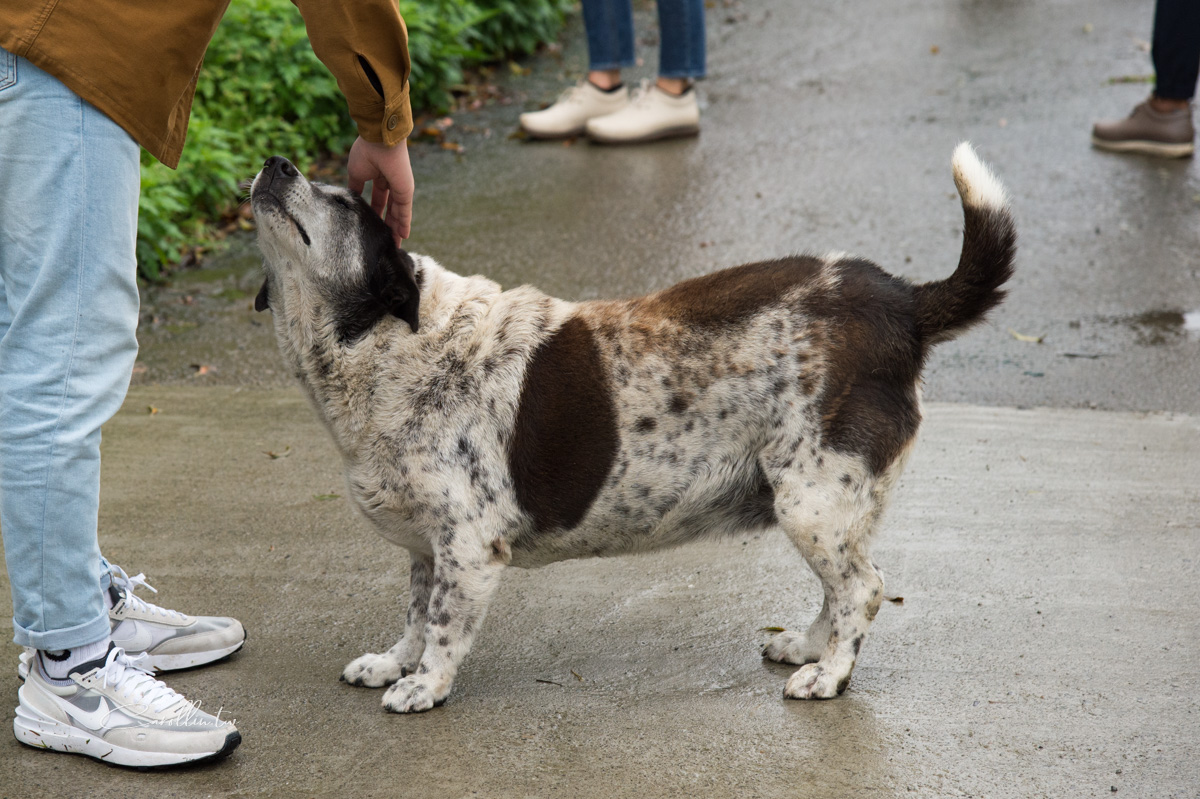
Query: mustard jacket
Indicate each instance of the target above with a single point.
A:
(137, 60)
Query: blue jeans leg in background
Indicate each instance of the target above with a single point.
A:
(609, 25)
(681, 38)
(69, 183)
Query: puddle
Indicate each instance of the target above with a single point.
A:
(1156, 328)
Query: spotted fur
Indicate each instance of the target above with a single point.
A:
(483, 429)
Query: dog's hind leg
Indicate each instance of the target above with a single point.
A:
(378, 670)
(465, 578)
(830, 512)
(797, 648)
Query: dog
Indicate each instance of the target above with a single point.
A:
(483, 428)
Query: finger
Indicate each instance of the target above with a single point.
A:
(379, 194)
(399, 216)
(357, 185)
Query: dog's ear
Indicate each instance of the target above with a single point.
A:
(261, 301)
(396, 286)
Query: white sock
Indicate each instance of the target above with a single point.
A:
(58, 665)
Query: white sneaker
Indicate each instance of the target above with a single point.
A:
(571, 111)
(651, 114)
(113, 710)
(169, 639)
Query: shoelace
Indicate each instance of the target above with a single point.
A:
(573, 94)
(132, 678)
(126, 585)
(639, 95)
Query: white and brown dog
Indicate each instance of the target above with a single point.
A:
(483, 429)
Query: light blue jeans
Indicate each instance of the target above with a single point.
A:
(69, 183)
(609, 26)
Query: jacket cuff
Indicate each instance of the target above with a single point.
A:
(390, 127)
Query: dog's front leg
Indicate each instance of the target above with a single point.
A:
(465, 578)
(378, 670)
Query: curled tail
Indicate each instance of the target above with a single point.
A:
(947, 307)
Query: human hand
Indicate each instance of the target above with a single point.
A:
(391, 177)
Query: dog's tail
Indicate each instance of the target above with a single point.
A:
(947, 307)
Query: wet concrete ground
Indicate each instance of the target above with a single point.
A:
(1046, 552)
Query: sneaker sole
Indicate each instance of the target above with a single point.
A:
(554, 136)
(666, 133)
(37, 732)
(1161, 149)
(193, 660)
(158, 662)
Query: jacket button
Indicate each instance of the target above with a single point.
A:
(392, 122)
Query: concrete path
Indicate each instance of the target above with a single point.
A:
(1046, 644)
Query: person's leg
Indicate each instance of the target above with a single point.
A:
(1176, 50)
(681, 55)
(609, 26)
(667, 109)
(69, 183)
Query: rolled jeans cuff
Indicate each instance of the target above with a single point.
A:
(97, 629)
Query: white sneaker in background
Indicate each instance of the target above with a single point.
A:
(651, 114)
(570, 113)
(113, 710)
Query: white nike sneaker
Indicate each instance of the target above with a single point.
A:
(113, 710)
(570, 113)
(170, 640)
(651, 114)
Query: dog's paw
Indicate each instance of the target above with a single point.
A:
(792, 647)
(814, 681)
(373, 671)
(411, 695)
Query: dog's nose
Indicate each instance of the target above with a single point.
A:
(278, 165)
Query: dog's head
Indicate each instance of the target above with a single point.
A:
(324, 243)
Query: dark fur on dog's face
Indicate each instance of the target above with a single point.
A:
(332, 233)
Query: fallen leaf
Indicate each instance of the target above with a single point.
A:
(576, 675)
(277, 455)
(895, 600)
(1026, 338)
(139, 368)
(934, 50)
(152, 410)
(771, 630)
(453, 146)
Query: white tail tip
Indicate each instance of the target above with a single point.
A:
(976, 183)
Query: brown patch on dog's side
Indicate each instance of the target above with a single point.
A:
(565, 436)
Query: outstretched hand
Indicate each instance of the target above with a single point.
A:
(391, 178)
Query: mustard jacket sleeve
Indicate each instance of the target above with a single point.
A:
(364, 43)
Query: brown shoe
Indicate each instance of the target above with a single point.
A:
(1167, 134)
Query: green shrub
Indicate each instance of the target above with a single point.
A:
(263, 91)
